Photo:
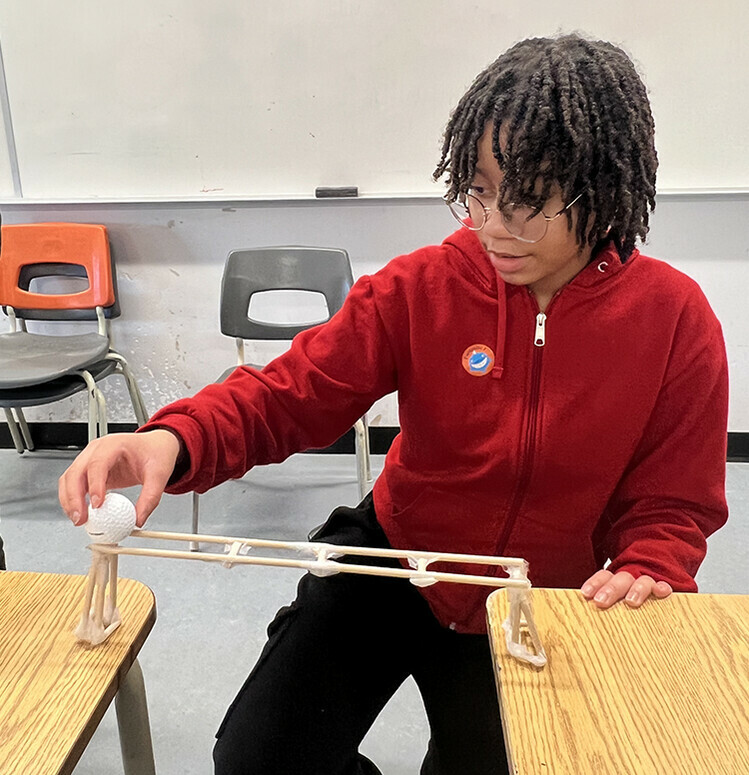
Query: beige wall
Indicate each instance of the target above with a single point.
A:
(170, 259)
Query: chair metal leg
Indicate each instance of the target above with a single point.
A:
(97, 407)
(93, 416)
(194, 545)
(25, 432)
(93, 405)
(363, 465)
(132, 720)
(101, 420)
(136, 397)
(367, 459)
(14, 432)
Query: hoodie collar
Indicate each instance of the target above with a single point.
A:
(604, 264)
(472, 257)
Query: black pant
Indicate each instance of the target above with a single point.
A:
(334, 658)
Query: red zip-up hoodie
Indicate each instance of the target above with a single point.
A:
(594, 432)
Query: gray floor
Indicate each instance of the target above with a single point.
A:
(211, 621)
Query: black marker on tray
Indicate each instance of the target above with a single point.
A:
(333, 192)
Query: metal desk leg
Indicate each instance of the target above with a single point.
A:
(132, 720)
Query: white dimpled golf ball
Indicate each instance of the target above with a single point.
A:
(112, 521)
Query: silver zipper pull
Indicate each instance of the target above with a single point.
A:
(539, 338)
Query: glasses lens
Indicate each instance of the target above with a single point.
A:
(468, 206)
(525, 223)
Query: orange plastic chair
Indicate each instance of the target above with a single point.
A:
(40, 368)
(66, 244)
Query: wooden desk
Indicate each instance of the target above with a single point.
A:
(659, 690)
(53, 689)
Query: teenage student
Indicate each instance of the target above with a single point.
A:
(562, 398)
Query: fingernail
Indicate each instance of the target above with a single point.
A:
(633, 598)
(602, 597)
(95, 501)
(75, 517)
(587, 590)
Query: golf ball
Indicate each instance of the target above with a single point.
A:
(112, 521)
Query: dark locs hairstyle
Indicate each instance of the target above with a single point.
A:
(572, 112)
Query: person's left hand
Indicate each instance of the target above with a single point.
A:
(606, 588)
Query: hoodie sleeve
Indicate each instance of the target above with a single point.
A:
(672, 495)
(306, 398)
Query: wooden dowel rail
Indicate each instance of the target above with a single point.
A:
(315, 547)
(330, 566)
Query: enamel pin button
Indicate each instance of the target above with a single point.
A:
(478, 360)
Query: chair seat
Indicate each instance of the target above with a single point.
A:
(55, 390)
(27, 359)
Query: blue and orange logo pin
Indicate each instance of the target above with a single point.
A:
(478, 360)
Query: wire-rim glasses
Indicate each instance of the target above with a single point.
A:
(523, 222)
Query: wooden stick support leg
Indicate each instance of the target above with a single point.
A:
(83, 631)
(521, 614)
(100, 616)
(102, 577)
(111, 612)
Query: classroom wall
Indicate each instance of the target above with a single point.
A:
(170, 259)
(237, 99)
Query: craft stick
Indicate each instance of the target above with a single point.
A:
(102, 572)
(530, 623)
(113, 580)
(314, 546)
(90, 586)
(514, 618)
(111, 611)
(367, 570)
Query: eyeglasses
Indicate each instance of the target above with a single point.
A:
(525, 223)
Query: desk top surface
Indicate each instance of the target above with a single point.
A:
(656, 690)
(54, 689)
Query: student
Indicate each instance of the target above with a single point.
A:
(562, 398)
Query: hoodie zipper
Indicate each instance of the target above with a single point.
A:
(539, 338)
(531, 426)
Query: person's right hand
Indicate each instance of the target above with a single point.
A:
(119, 460)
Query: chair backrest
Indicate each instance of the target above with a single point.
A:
(31, 251)
(321, 270)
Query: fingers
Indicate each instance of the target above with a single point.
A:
(606, 589)
(115, 461)
(643, 588)
(150, 496)
(157, 469)
(71, 489)
(613, 590)
(639, 592)
(662, 589)
(595, 582)
(97, 476)
(88, 475)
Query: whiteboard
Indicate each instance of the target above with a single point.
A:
(196, 99)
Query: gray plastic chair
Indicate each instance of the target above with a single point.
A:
(322, 270)
(41, 368)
